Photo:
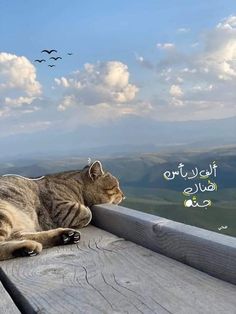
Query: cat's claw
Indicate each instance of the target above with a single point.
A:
(24, 253)
(32, 253)
(70, 237)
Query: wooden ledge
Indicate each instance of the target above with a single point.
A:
(205, 250)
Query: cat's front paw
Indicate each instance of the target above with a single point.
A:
(70, 236)
(27, 248)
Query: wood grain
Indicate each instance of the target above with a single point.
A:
(106, 274)
(205, 250)
(6, 304)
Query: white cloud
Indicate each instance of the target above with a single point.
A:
(228, 23)
(18, 83)
(62, 82)
(24, 127)
(183, 30)
(66, 102)
(188, 70)
(179, 79)
(115, 74)
(176, 91)
(218, 59)
(176, 102)
(103, 82)
(18, 102)
(203, 88)
(165, 45)
(207, 76)
(197, 83)
(103, 112)
(18, 73)
(145, 63)
(4, 112)
(34, 126)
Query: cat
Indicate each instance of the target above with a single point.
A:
(37, 214)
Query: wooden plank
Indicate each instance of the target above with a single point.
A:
(106, 274)
(6, 304)
(205, 250)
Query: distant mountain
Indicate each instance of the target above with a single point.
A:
(125, 136)
(139, 170)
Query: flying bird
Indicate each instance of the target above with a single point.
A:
(69, 53)
(51, 65)
(41, 60)
(49, 51)
(55, 58)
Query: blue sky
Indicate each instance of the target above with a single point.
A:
(103, 30)
(161, 60)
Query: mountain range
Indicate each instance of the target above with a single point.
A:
(124, 136)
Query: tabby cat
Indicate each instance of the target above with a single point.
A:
(36, 214)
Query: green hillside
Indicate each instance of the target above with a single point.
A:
(169, 204)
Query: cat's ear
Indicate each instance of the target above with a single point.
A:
(95, 170)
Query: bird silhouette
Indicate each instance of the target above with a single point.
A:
(55, 58)
(69, 53)
(41, 60)
(49, 51)
(51, 65)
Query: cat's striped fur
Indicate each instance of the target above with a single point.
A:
(44, 213)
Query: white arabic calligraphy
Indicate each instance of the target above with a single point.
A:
(203, 174)
(222, 227)
(194, 203)
(195, 173)
(200, 187)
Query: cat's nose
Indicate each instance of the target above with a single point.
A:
(123, 197)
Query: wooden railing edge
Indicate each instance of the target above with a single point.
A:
(205, 250)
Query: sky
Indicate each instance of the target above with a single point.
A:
(156, 60)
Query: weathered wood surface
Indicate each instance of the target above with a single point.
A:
(205, 250)
(106, 274)
(6, 304)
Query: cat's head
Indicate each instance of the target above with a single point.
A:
(100, 187)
